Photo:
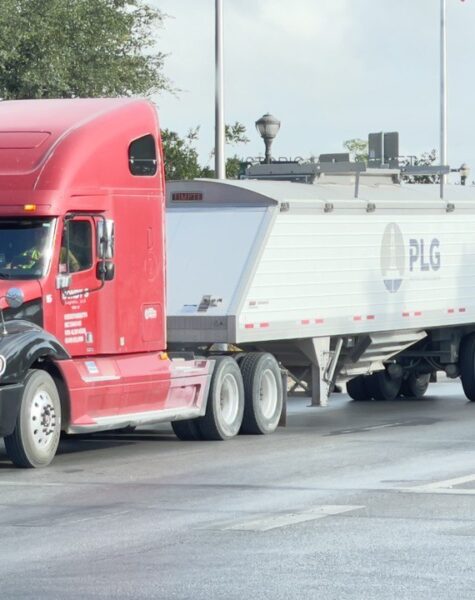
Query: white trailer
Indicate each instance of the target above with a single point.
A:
(375, 291)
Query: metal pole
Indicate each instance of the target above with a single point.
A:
(219, 165)
(443, 84)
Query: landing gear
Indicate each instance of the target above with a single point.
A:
(35, 439)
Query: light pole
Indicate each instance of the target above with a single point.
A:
(443, 84)
(219, 164)
(268, 127)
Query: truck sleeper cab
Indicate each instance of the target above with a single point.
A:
(82, 287)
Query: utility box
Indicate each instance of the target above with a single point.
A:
(383, 148)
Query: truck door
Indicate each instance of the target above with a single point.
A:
(77, 305)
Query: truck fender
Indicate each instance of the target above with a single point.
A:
(22, 346)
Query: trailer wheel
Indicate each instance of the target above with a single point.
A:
(35, 438)
(186, 430)
(415, 386)
(263, 393)
(225, 407)
(357, 389)
(467, 366)
(383, 387)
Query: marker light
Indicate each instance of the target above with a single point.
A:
(29, 207)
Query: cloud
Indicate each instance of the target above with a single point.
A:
(329, 69)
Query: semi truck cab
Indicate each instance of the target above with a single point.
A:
(82, 276)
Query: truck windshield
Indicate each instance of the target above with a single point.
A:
(25, 247)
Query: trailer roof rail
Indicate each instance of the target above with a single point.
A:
(425, 170)
(340, 168)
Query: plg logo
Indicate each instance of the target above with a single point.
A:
(422, 256)
(393, 257)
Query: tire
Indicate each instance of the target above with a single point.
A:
(34, 441)
(357, 389)
(187, 430)
(467, 366)
(415, 386)
(225, 407)
(263, 393)
(382, 387)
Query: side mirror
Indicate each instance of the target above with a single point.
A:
(105, 271)
(105, 239)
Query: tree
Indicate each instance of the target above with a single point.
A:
(426, 159)
(181, 157)
(78, 48)
(358, 149)
(236, 134)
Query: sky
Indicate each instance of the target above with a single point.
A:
(330, 70)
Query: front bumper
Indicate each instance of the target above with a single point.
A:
(10, 402)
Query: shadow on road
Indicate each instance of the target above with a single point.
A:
(78, 444)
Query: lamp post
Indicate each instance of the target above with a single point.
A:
(219, 162)
(268, 127)
(443, 85)
(464, 172)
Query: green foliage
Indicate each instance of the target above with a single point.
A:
(358, 149)
(236, 134)
(233, 167)
(426, 159)
(181, 157)
(78, 48)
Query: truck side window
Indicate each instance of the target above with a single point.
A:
(80, 247)
(143, 156)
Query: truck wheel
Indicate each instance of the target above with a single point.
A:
(415, 386)
(263, 393)
(186, 430)
(225, 407)
(35, 439)
(467, 366)
(357, 389)
(383, 387)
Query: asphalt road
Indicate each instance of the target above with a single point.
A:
(354, 501)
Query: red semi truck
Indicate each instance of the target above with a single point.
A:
(82, 289)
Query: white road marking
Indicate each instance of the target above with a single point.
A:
(31, 483)
(446, 486)
(284, 520)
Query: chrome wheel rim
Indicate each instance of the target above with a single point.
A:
(229, 399)
(268, 394)
(42, 421)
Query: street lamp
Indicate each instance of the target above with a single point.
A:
(464, 171)
(268, 127)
